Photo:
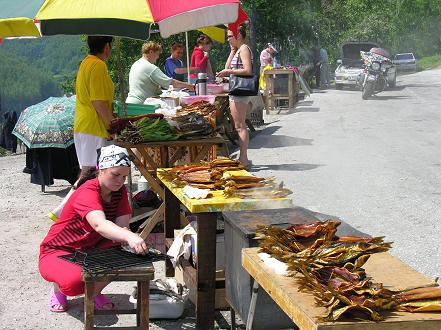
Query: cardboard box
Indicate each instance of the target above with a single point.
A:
(220, 301)
(180, 276)
(220, 252)
(172, 102)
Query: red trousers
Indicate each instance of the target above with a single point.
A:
(67, 275)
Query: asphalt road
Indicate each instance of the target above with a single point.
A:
(375, 164)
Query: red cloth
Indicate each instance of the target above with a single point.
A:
(72, 232)
(163, 9)
(242, 17)
(198, 59)
(118, 124)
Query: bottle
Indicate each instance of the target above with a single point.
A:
(275, 63)
(201, 83)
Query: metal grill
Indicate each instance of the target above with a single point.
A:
(111, 258)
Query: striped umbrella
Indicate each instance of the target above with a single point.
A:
(47, 124)
(132, 18)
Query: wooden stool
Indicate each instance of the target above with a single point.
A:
(142, 275)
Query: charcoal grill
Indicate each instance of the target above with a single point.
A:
(111, 258)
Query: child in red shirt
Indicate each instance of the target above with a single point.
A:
(96, 215)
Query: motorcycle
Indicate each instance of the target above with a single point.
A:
(376, 64)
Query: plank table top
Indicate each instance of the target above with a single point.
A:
(301, 308)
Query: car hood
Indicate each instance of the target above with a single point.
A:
(350, 52)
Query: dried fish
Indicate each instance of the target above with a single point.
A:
(425, 305)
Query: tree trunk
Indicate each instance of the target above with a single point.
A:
(253, 43)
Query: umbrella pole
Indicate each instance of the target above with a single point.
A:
(121, 77)
(124, 106)
(188, 57)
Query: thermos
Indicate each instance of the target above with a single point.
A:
(201, 83)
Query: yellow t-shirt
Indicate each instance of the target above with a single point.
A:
(93, 84)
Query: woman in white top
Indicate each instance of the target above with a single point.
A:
(239, 63)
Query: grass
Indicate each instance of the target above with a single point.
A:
(430, 62)
(4, 152)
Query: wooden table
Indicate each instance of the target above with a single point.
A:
(206, 210)
(270, 76)
(149, 166)
(301, 308)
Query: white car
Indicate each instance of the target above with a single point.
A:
(351, 65)
(405, 61)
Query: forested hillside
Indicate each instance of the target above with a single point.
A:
(31, 70)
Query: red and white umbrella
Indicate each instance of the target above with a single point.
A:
(132, 19)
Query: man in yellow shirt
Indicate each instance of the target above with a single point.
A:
(93, 111)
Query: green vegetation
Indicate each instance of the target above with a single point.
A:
(32, 70)
(430, 62)
(4, 152)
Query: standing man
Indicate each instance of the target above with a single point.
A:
(324, 69)
(266, 56)
(93, 111)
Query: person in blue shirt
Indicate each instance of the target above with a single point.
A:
(174, 68)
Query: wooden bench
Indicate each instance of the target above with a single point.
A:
(142, 275)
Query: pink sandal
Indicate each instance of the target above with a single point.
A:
(57, 298)
(101, 300)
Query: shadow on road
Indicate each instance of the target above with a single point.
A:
(397, 88)
(305, 103)
(60, 193)
(421, 85)
(284, 167)
(391, 97)
(268, 130)
(304, 109)
(276, 141)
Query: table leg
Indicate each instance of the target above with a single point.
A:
(267, 100)
(171, 222)
(252, 305)
(290, 90)
(143, 301)
(272, 92)
(233, 319)
(206, 270)
(89, 305)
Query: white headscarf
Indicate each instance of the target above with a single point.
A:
(113, 156)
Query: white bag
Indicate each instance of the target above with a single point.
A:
(166, 300)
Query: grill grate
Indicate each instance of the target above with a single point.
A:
(111, 258)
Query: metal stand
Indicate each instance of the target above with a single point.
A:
(252, 305)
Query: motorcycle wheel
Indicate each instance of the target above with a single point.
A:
(393, 83)
(367, 90)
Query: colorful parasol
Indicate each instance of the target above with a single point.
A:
(132, 19)
(16, 18)
(47, 124)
